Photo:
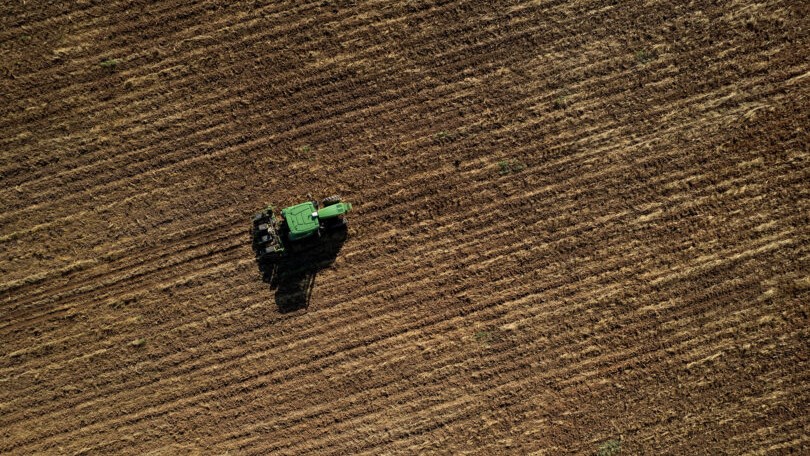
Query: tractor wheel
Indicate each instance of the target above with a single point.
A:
(329, 201)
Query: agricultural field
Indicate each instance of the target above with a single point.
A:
(578, 227)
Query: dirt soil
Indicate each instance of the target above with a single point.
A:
(578, 227)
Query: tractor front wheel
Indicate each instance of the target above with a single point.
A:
(334, 199)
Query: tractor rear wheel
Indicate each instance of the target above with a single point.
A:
(331, 200)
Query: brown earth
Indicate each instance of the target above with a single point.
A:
(578, 226)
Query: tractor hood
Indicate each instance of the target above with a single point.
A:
(334, 210)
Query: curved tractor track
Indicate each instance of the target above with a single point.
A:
(579, 227)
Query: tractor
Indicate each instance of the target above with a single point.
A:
(296, 226)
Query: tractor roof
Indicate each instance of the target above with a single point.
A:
(302, 219)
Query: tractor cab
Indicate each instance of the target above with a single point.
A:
(302, 220)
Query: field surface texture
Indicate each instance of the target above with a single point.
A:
(578, 227)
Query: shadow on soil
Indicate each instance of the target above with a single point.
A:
(293, 276)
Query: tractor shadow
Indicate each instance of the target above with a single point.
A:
(292, 277)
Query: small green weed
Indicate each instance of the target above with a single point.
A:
(610, 448)
(483, 337)
(644, 56)
(510, 166)
(445, 136)
(109, 63)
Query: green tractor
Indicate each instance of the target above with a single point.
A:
(274, 236)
